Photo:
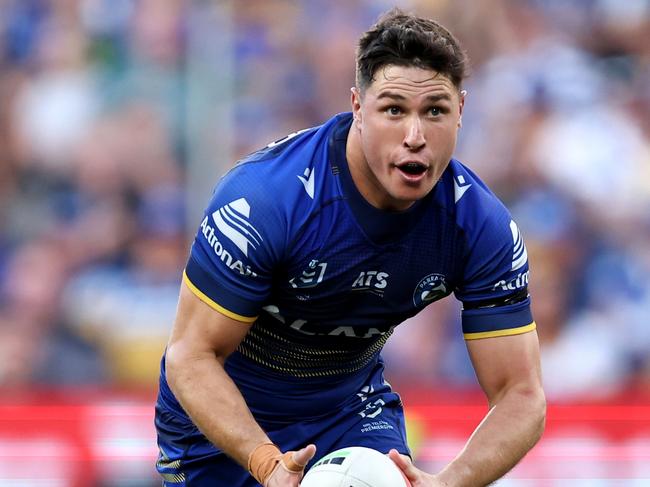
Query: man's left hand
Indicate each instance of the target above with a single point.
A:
(417, 477)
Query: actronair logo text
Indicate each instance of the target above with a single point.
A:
(225, 256)
(518, 282)
(519, 254)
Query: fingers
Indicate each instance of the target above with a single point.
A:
(404, 463)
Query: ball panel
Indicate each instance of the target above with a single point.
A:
(376, 469)
(332, 479)
(355, 467)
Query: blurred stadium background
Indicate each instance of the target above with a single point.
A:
(118, 116)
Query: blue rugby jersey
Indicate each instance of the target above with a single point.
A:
(289, 244)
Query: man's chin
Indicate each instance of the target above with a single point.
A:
(404, 200)
(412, 194)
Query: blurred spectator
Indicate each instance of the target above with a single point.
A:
(36, 345)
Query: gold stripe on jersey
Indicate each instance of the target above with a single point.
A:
(500, 333)
(215, 306)
(164, 462)
(167, 463)
(173, 478)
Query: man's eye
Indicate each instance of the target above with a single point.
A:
(393, 110)
(435, 111)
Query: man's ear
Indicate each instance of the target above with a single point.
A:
(461, 105)
(355, 102)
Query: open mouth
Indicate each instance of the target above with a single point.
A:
(412, 168)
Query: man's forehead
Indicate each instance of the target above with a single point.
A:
(411, 80)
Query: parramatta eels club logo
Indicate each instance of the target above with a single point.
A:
(430, 289)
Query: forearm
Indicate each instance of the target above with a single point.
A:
(510, 429)
(213, 402)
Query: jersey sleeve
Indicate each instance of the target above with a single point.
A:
(494, 292)
(236, 247)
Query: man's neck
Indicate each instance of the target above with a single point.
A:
(358, 166)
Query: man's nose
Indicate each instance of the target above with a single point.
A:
(414, 138)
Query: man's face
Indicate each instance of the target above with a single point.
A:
(407, 122)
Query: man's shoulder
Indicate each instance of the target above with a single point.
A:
(293, 166)
(470, 199)
(294, 149)
(280, 186)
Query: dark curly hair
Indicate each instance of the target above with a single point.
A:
(402, 39)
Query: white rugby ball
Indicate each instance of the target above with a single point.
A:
(356, 466)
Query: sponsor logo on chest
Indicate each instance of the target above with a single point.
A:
(371, 281)
(312, 329)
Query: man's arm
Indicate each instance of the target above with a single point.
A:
(508, 370)
(201, 340)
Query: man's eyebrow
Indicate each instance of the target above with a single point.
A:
(442, 96)
(396, 96)
(390, 94)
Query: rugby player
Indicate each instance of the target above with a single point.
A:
(312, 250)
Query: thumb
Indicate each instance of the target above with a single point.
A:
(302, 456)
(404, 463)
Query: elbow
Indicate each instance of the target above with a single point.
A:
(542, 414)
(537, 409)
(185, 363)
(174, 366)
(530, 399)
(181, 361)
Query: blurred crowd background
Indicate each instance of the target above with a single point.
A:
(118, 116)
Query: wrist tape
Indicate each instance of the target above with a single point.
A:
(266, 458)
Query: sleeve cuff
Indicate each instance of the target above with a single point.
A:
(500, 333)
(214, 305)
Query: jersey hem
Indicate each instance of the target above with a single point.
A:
(499, 333)
(215, 306)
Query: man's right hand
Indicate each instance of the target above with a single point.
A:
(286, 470)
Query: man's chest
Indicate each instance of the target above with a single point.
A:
(337, 274)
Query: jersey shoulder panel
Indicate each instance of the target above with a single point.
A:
(255, 210)
(470, 199)
(292, 174)
(494, 288)
(483, 219)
